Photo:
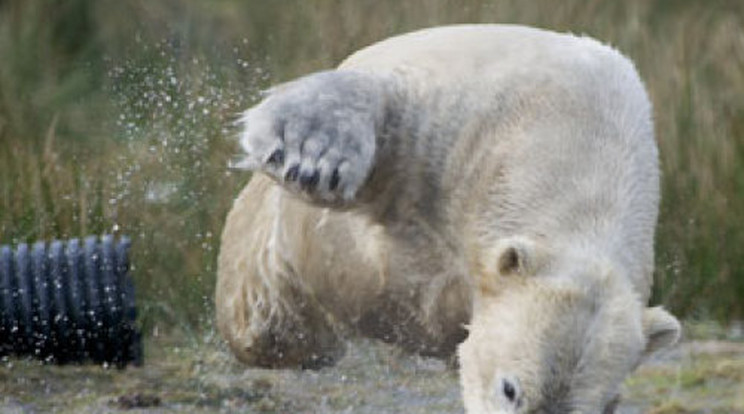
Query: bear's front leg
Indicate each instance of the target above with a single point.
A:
(317, 136)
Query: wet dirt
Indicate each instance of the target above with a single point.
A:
(699, 376)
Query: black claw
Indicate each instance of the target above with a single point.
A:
(335, 178)
(276, 158)
(292, 173)
(308, 182)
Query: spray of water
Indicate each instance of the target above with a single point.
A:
(174, 121)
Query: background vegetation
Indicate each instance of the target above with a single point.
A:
(115, 116)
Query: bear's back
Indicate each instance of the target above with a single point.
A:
(493, 50)
(563, 146)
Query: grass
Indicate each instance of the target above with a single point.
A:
(111, 124)
(697, 383)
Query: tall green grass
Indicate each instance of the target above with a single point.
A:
(115, 116)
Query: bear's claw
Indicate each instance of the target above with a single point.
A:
(315, 135)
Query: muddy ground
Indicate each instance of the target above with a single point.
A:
(701, 375)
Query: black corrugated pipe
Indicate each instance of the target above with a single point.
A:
(69, 301)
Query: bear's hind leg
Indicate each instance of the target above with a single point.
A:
(300, 337)
(264, 310)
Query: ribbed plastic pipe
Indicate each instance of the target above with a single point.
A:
(69, 301)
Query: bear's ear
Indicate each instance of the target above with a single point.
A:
(518, 256)
(515, 256)
(660, 328)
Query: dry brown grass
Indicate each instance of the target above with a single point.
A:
(67, 169)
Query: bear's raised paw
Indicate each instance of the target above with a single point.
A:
(316, 135)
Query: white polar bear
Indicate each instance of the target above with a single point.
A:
(497, 176)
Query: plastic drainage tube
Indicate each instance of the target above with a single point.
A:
(69, 301)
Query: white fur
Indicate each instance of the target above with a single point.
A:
(451, 146)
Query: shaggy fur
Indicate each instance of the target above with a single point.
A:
(500, 172)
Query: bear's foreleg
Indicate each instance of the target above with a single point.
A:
(317, 136)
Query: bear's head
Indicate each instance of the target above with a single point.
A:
(554, 332)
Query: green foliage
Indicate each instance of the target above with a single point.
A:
(115, 116)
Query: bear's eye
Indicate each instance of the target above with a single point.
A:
(509, 391)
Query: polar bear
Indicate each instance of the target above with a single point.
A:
(491, 182)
